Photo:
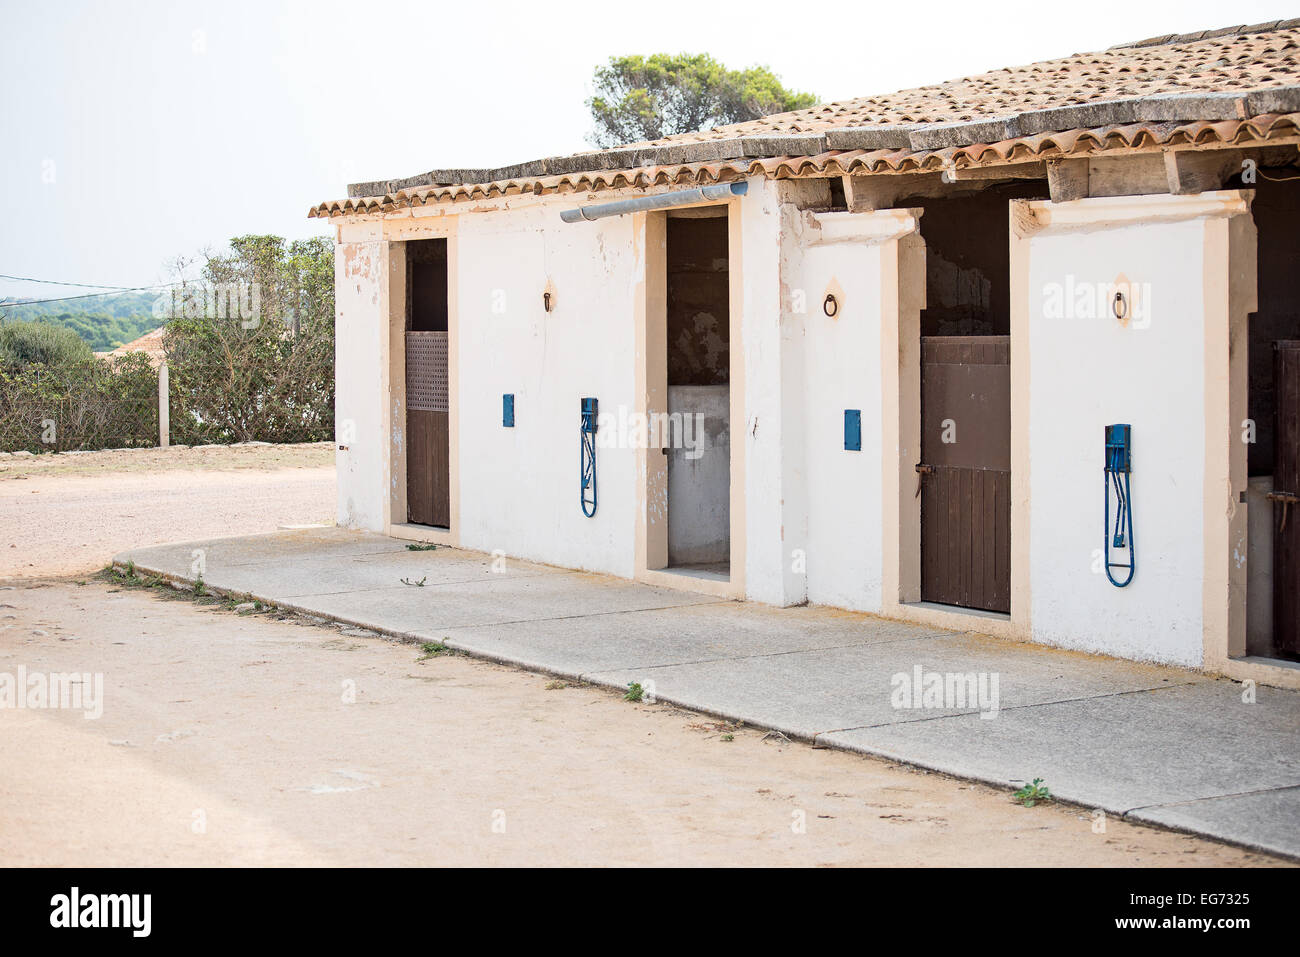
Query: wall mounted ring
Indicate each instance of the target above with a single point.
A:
(1119, 305)
(546, 301)
(831, 305)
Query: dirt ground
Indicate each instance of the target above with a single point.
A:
(258, 456)
(247, 739)
(69, 514)
(258, 738)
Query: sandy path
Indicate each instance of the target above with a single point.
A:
(64, 515)
(227, 739)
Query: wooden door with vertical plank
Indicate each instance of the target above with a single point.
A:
(964, 477)
(1286, 499)
(428, 491)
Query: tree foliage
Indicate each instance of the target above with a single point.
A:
(647, 98)
(104, 322)
(55, 394)
(25, 343)
(250, 352)
(79, 403)
(258, 366)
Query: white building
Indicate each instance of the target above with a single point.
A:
(904, 324)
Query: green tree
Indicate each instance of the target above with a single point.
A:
(250, 346)
(25, 343)
(105, 322)
(647, 98)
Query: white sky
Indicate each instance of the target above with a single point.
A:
(167, 127)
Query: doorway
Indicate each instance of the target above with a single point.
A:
(1273, 424)
(964, 472)
(1285, 498)
(695, 435)
(428, 461)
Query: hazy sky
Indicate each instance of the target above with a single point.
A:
(136, 132)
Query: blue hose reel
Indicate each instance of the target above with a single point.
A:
(1119, 467)
(587, 461)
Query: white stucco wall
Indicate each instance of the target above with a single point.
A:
(361, 373)
(770, 358)
(1086, 372)
(812, 510)
(519, 487)
(841, 357)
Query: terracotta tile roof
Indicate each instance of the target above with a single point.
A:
(1234, 63)
(1232, 86)
(1257, 130)
(151, 344)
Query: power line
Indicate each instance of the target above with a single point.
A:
(89, 295)
(55, 282)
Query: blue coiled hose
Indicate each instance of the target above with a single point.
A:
(587, 458)
(1119, 467)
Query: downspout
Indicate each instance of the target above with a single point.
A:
(682, 197)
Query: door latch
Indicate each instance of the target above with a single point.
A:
(922, 470)
(1286, 500)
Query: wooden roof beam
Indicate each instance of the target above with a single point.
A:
(1032, 170)
(1067, 179)
(1200, 171)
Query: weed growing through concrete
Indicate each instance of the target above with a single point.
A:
(432, 649)
(127, 577)
(419, 584)
(634, 692)
(240, 604)
(421, 547)
(1031, 794)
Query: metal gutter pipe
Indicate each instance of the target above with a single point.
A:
(681, 197)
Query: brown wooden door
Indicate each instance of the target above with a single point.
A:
(1286, 500)
(428, 487)
(965, 471)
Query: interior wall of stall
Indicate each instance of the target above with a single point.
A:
(697, 442)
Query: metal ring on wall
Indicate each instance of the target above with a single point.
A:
(1120, 307)
(831, 305)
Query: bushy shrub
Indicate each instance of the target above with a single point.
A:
(262, 372)
(86, 403)
(236, 376)
(25, 343)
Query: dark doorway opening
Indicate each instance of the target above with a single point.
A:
(696, 435)
(428, 463)
(964, 474)
(1273, 424)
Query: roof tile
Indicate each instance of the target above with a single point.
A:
(1220, 75)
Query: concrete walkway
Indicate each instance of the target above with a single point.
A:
(1159, 745)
